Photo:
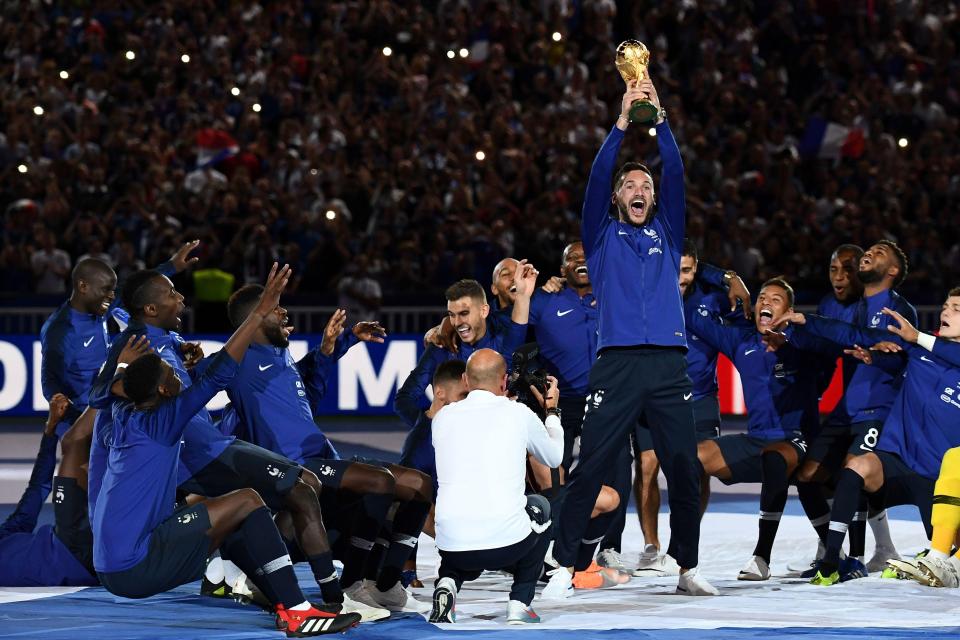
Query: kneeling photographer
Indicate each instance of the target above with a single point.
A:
(483, 519)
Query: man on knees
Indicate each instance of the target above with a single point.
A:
(483, 519)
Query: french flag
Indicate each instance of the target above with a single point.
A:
(823, 139)
(214, 146)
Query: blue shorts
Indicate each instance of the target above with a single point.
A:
(836, 441)
(742, 454)
(177, 554)
(903, 485)
(706, 416)
(241, 466)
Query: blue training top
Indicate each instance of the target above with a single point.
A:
(634, 270)
(139, 485)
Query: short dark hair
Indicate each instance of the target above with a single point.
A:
(449, 371)
(856, 250)
(902, 261)
(142, 377)
(464, 289)
(242, 302)
(88, 268)
(137, 291)
(690, 249)
(953, 292)
(781, 282)
(627, 168)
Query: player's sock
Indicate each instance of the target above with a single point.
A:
(257, 548)
(815, 506)
(407, 524)
(326, 577)
(214, 571)
(858, 529)
(773, 497)
(375, 560)
(591, 538)
(370, 518)
(849, 488)
(880, 525)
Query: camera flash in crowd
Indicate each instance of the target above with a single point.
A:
(556, 36)
(331, 214)
(22, 168)
(185, 58)
(64, 75)
(313, 172)
(38, 110)
(131, 55)
(464, 52)
(256, 107)
(235, 91)
(387, 51)
(451, 54)
(652, 131)
(480, 155)
(903, 142)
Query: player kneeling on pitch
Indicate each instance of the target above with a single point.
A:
(483, 519)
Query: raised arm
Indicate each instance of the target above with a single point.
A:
(709, 329)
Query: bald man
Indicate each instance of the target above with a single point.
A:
(483, 519)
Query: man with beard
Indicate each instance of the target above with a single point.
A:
(634, 263)
(780, 389)
(854, 426)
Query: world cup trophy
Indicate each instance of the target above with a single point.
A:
(632, 61)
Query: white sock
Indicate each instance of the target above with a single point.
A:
(303, 606)
(231, 572)
(214, 571)
(880, 526)
(939, 555)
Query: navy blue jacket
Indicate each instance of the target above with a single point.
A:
(924, 420)
(634, 270)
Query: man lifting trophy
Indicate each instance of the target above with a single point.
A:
(632, 61)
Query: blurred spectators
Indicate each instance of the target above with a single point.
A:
(436, 137)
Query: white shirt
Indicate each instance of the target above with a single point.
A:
(481, 447)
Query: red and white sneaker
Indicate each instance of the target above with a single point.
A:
(313, 622)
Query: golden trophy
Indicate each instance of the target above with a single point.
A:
(633, 58)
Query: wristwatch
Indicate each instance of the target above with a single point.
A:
(553, 411)
(728, 276)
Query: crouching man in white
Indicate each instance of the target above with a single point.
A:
(483, 519)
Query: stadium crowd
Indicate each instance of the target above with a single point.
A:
(423, 141)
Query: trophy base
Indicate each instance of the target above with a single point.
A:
(643, 112)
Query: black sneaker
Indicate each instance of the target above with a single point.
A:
(444, 602)
(218, 590)
(313, 622)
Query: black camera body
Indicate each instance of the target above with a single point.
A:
(525, 374)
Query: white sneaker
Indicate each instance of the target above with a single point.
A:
(906, 569)
(663, 565)
(367, 613)
(693, 584)
(757, 569)
(881, 556)
(519, 613)
(611, 559)
(560, 585)
(939, 572)
(396, 598)
(358, 593)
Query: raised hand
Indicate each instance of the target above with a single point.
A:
(525, 279)
(886, 346)
(443, 335)
(276, 282)
(136, 346)
(773, 339)
(554, 285)
(181, 260)
(907, 331)
(791, 317)
(738, 291)
(369, 332)
(861, 354)
(332, 331)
